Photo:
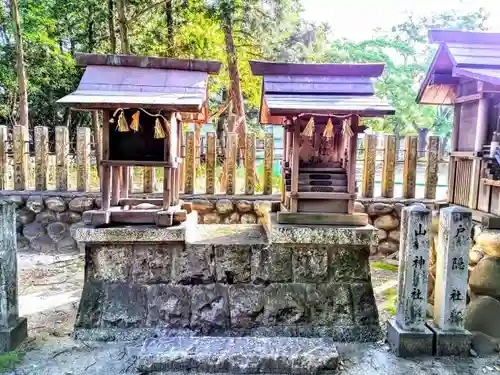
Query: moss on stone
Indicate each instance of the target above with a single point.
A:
(391, 300)
(384, 266)
(9, 361)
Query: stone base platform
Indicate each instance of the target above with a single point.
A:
(451, 343)
(409, 343)
(238, 355)
(305, 218)
(12, 337)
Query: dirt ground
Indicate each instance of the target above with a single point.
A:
(50, 287)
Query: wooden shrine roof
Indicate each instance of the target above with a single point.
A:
(460, 55)
(294, 89)
(114, 81)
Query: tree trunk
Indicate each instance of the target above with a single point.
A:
(111, 26)
(234, 75)
(122, 19)
(90, 30)
(422, 141)
(169, 17)
(21, 73)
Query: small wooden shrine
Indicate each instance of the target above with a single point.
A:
(144, 101)
(321, 108)
(465, 74)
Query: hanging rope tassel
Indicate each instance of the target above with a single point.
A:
(309, 129)
(159, 131)
(329, 131)
(346, 127)
(135, 121)
(122, 123)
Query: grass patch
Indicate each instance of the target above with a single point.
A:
(384, 266)
(391, 299)
(9, 361)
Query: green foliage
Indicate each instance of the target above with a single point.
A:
(391, 300)
(9, 361)
(384, 266)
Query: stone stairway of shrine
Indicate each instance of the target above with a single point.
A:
(317, 178)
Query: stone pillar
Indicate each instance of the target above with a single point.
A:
(451, 282)
(13, 329)
(407, 334)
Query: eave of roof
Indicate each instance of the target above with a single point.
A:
(263, 68)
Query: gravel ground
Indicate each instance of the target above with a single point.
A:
(50, 288)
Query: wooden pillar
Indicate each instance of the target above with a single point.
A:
(177, 171)
(41, 157)
(231, 163)
(481, 136)
(368, 185)
(283, 162)
(82, 159)
(125, 183)
(210, 164)
(106, 169)
(115, 185)
(410, 167)
(484, 195)
(452, 166)
(21, 155)
(62, 153)
(166, 188)
(250, 165)
(268, 164)
(389, 166)
(352, 146)
(147, 179)
(4, 157)
(432, 167)
(294, 202)
(189, 168)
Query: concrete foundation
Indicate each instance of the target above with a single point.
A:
(451, 343)
(228, 280)
(13, 336)
(409, 343)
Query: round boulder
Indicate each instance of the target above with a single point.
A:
(211, 218)
(234, 218)
(67, 245)
(25, 216)
(476, 231)
(18, 200)
(202, 206)
(46, 217)
(224, 206)
(57, 231)
(69, 217)
(56, 204)
(379, 209)
(482, 315)
(489, 242)
(386, 222)
(81, 204)
(33, 230)
(398, 207)
(359, 207)
(244, 206)
(44, 244)
(395, 235)
(484, 345)
(248, 218)
(382, 234)
(262, 208)
(484, 279)
(475, 255)
(387, 247)
(35, 203)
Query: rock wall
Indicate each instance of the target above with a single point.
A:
(44, 220)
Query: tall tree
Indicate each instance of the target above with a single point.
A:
(111, 26)
(21, 73)
(122, 20)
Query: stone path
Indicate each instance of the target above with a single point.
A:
(50, 289)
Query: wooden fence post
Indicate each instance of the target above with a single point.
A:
(4, 158)
(189, 169)
(432, 167)
(231, 163)
(62, 153)
(389, 166)
(20, 157)
(210, 165)
(368, 183)
(147, 179)
(250, 164)
(197, 146)
(410, 167)
(268, 164)
(41, 157)
(82, 159)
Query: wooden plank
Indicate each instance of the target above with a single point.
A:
(463, 154)
(231, 163)
(41, 157)
(20, 148)
(83, 159)
(62, 153)
(490, 182)
(474, 184)
(351, 167)
(410, 167)
(125, 182)
(107, 176)
(452, 167)
(197, 145)
(389, 166)
(468, 98)
(267, 187)
(167, 192)
(305, 218)
(432, 167)
(190, 170)
(147, 179)
(250, 164)
(321, 195)
(211, 159)
(294, 204)
(115, 185)
(368, 184)
(4, 157)
(484, 196)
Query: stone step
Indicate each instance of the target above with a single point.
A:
(239, 355)
(320, 182)
(319, 189)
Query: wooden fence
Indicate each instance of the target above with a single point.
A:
(57, 170)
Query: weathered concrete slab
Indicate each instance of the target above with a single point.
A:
(227, 234)
(405, 343)
(239, 355)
